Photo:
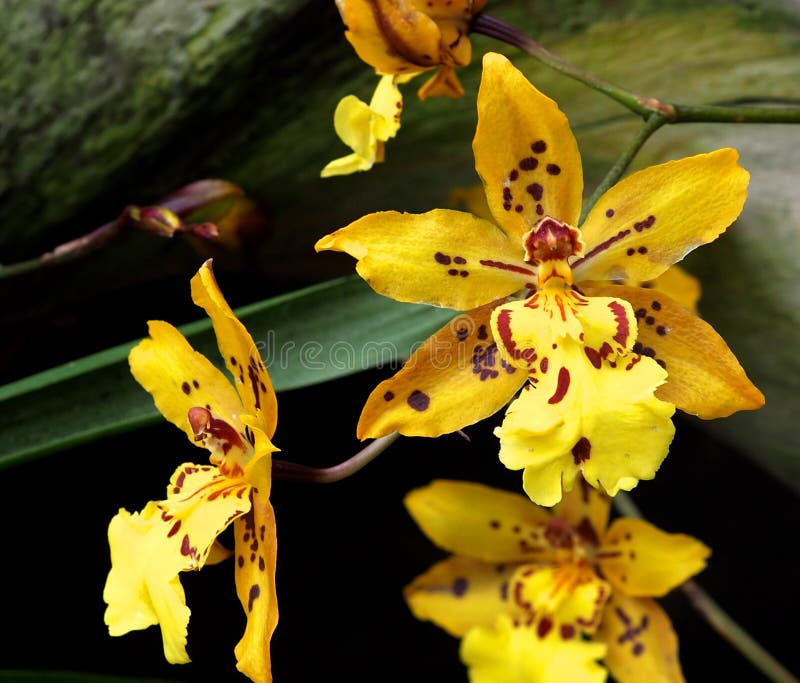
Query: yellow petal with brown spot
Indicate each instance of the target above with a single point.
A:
(653, 218)
(460, 593)
(508, 652)
(586, 509)
(679, 285)
(239, 351)
(525, 152)
(179, 378)
(443, 257)
(256, 553)
(455, 379)
(704, 377)
(477, 521)
(643, 561)
(642, 645)
(391, 35)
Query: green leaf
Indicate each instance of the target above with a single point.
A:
(23, 676)
(305, 337)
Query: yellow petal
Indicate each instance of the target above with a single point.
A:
(446, 258)
(256, 551)
(567, 599)
(509, 653)
(455, 379)
(444, 83)
(653, 218)
(602, 421)
(641, 643)
(391, 35)
(179, 378)
(353, 121)
(480, 522)
(704, 377)
(678, 285)
(201, 503)
(525, 152)
(460, 593)
(239, 351)
(387, 104)
(586, 510)
(142, 588)
(641, 560)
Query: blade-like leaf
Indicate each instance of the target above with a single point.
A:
(305, 337)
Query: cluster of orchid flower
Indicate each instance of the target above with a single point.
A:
(553, 318)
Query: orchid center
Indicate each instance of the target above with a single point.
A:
(229, 448)
(549, 245)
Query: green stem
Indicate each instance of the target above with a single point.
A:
(642, 106)
(498, 29)
(651, 125)
(290, 471)
(717, 617)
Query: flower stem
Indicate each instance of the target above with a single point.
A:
(68, 251)
(717, 617)
(290, 471)
(500, 30)
(651, 125)
(642, 106)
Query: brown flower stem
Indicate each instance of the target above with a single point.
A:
(717, 617)
(290, 471)
(68, 251)
(642, 106)
(651, 125)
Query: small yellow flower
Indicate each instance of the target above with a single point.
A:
(524, 585)
(590, 351)
(365, 128)
(235, 423)
(412, 36)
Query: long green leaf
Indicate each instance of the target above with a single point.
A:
(305, 337)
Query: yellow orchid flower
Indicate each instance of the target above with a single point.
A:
(235, 423)
(365, 128)
(525, 585)
(412, 36)
(590, 371)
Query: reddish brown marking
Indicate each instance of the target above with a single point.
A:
(535, 190)
(553, 169)
(602, 246)
(609, 213)
(543, 365)
(482, 333)
(649, 319)
(539, 146)
(561, 388)
(495, 524)
(518, 208)
(186, 548)
(452, 271)
(544, 627)
(581, 450)
(504, 327)
(656, 305)
(661, 330)
(388, 396)
(418, 400)
(623, 329)
(255, 591)
(186, 388)
(460, 260)
(529, 163)
(631, 251)
(240, 561)
(567, 631)
(594, 356)
(642, 250)
(587, 532)
(645, 224)
(174, 529)
(513, 175)
(506, 266)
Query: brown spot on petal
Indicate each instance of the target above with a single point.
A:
(418, 400)
(255, 591)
